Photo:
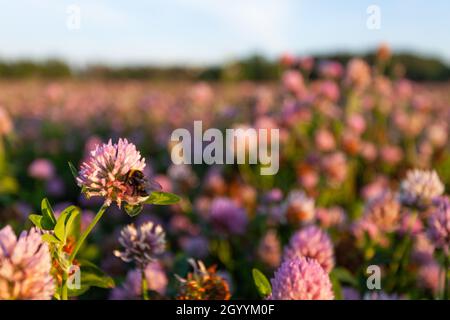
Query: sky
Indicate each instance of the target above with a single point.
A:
(203, 32)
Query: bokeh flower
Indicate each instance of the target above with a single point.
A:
(42, 169)
(104, 173)
(439, 224)
(269, 249)
(431, 276)
(311, 242)
(141, 245)
(25, 265)
(301, 279)
(420, 187)
(227, 217)
(298, 207)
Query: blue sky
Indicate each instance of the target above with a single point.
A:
(209, 31)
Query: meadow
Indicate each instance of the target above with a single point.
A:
(363, 179)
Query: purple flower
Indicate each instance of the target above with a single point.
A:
(227, 217)
(42, 169)
(439, 224)
(25, 266)
(301, 279)
(311, 242)
(105, 172)
(142, 244)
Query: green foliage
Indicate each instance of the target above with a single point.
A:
(261, 283)
(162, 198)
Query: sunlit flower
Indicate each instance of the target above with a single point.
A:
(420, 187)
(330, 217)
(141, 245)
(384, 212)
(301, 279)
(104, 173)
(335, 167)
(298, 207)
(25, 266)
(311, 242)
(358, 73)
(293, 81)
(203, 284)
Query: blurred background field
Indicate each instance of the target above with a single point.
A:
(351, 126)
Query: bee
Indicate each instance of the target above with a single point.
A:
(140, 185)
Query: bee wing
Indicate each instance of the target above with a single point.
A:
(152, 185)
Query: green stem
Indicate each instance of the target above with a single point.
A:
(87, 231)
(64, 291)
(144, 285)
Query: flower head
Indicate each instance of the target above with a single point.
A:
(384, 212)
(25, 266)
(227, 217)
(141, 245)
(105, 172)
(439, 224)
(299, 207)
(269, 249)
(203, 284)
(301, 279)
(311, 242)
(420, 187)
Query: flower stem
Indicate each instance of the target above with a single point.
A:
(64, 290)
(87, 231)
(144, 285)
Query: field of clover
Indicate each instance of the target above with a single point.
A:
(363, 182)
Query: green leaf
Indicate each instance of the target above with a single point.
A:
(73, 170)
(343, 275)
(71, 220)
(50, 238)
(261, 283)
(65, 221)
(36, 220)
(162, 198)
(337, 289)
(133, 211)
(47, 212)
(92, 276)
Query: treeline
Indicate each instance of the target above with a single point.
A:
(256, 68)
